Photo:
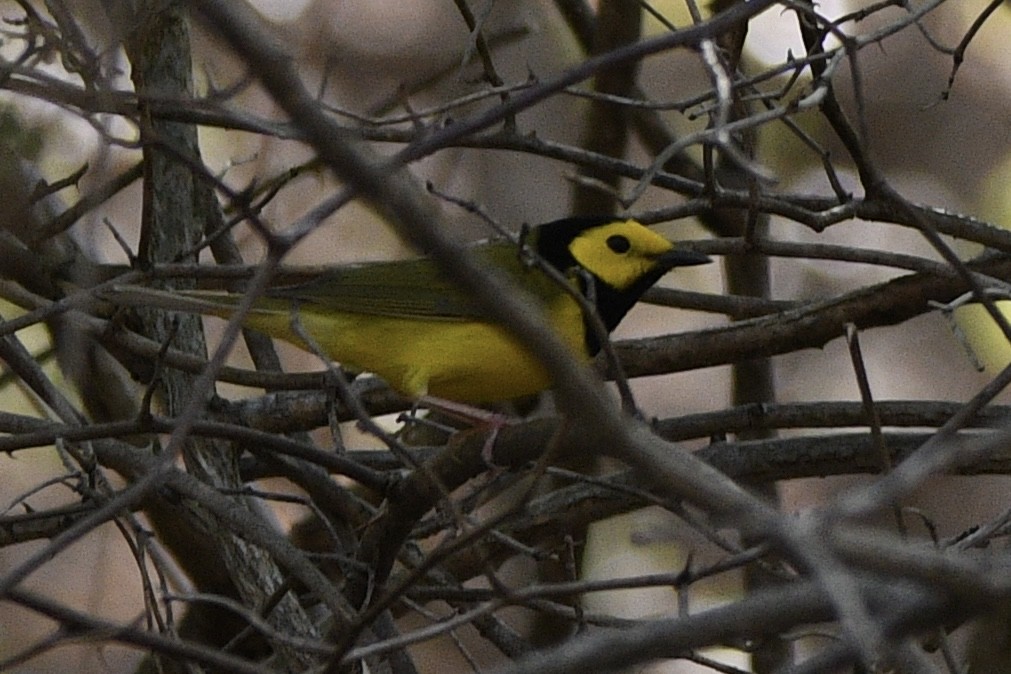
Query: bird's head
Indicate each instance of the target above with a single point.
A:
(622, 254)
(624, 257)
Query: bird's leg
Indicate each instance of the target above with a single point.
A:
(411, 417)
(493, 421)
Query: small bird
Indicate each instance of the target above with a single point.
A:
(405, 322)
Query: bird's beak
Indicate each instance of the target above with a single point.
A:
(679, 257)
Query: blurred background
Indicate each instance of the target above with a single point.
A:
(381, 59)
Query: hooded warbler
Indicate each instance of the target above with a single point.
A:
(405, 322)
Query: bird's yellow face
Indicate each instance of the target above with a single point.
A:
(619, 253)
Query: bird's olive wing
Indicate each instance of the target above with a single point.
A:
(409, 288)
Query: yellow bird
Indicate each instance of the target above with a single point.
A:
(403, 321)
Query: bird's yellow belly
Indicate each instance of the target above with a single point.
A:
(470, 362)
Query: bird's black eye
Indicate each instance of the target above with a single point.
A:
(618, 243)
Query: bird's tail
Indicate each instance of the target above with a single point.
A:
(193, 301)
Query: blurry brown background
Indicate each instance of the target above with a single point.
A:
(950, 154)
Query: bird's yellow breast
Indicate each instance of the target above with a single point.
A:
(467, 361)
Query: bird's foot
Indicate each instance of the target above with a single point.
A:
(480, 418)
